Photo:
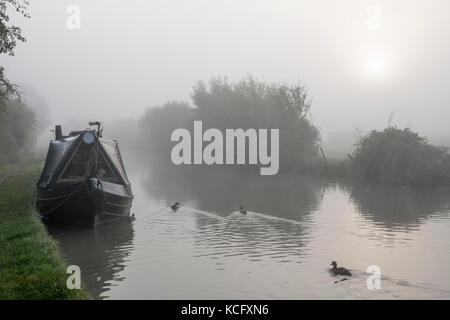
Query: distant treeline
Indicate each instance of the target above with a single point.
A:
(17, 127)
(391, 156)
(246, 104)
(17, 120)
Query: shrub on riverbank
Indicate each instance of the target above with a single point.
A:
(30, 265)
(400, 156)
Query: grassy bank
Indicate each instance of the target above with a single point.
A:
(30, 264)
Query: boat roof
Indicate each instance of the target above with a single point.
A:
(61, 151)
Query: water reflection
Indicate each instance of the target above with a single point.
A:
(277, 224)
(287, 196)
(254, 237)
(399, 206)
(297, 224)
(281, 249)
(100, 252)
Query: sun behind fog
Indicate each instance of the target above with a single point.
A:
(376, 66)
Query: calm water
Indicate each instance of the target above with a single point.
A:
(281, 250)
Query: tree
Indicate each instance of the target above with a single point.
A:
(158, 124)
(251, 103)
(9, 35)
(248, 103)
(17, 121)
(17, 128)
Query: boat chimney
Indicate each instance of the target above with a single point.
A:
(58, 132)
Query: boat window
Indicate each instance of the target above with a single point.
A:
(76, 168)
(88, 162)
(101, 169)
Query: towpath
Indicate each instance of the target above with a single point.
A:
(9, 174)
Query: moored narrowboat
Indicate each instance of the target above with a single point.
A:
(84, 181)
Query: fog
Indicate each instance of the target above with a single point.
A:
(351, 89)
(130, 55)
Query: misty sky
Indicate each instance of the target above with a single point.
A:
(129, 55)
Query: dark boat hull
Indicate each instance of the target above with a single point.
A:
(81, 204)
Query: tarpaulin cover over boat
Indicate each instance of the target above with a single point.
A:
(86, 167)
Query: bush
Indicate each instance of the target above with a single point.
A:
(400, 156)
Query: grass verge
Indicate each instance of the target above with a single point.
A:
(30, 264)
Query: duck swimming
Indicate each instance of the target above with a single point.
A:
(339, 271)
(175, 206)
(242, 210)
